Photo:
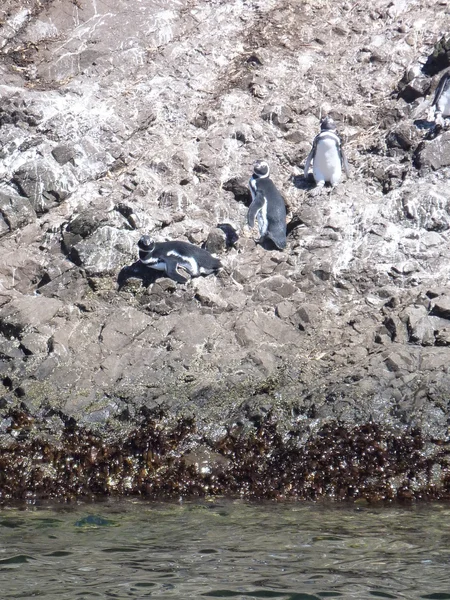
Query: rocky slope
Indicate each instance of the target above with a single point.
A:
(322, 369)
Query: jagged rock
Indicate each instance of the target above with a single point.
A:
(104, 251)
(81, 227)
(27, 312)
(207, 292)
(69, 287)
(440, 307)
(239, 189)
(427, 205)
(439, 59)
(404, 136)
(420, 326)
(443, 336)
(434, 154)
(414, 89)
(44, 187)
(216, 241)
(280, 116)
(15, 212)
(63, 153)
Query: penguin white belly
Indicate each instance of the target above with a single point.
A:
(443, 104)
(154, 263)
(327, 162)
(187, 262)
(263, 224)
(160, 266)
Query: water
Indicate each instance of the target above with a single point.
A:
(224, 550)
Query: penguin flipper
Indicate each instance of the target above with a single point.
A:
(172, 271)
(344, 163)
(255, 207)
(440, 88)
(308, 162)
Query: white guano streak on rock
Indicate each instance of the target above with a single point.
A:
(12, 26)
(84, 31)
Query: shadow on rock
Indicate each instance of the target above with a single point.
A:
(138, 271)
(295, 222)
(424, 124)
(303, 183)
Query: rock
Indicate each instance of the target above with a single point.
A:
(239, 189)
(208, 293)
(105, 251)
(15, 212)
(27, 312)
(414, 89)
(440, 307)
(443, 336)
(216, 241)
(63, 154)
(280, 285)
(280, 116)
(420, 326)
(427, 205)
(337, 346)
(404, 137)
(69, 287)
(439, 59)
(81, 227)
(43, 186)
(434, 154)
(204, 120)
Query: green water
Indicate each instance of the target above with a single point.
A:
(220, 549)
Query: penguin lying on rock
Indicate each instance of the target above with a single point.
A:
(267, 205)
(171, 256)
(327, 156)
(441, 102)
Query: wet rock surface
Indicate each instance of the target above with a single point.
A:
(319, 370)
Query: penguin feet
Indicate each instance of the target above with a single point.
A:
(439, 120)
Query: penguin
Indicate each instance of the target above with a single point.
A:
(170, 256)
(441, 102)
(327, 156)
(267, 205)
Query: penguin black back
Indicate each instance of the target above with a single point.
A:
(267, 205)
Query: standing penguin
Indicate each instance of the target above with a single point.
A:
(327, 156)
(441, 102)
(267, 205)
(170, 256)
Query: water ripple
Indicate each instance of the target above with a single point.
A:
(224, 550)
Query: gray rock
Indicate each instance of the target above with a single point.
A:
(216, 242)
(63, 153)
(434, 154)
(420, 326)
(43, 186)
(440, 307)
(27, 312)
(280, 116)
(105, 251)
(15, 212)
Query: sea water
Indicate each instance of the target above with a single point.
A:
(224, 549)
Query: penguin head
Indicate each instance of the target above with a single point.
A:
(327, 124)
(261, 169)
(146, 243)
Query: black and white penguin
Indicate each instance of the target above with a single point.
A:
(327, 156)
(267, 205)
(441, 102)
(170, 256)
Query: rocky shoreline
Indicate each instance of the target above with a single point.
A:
(320, 370)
